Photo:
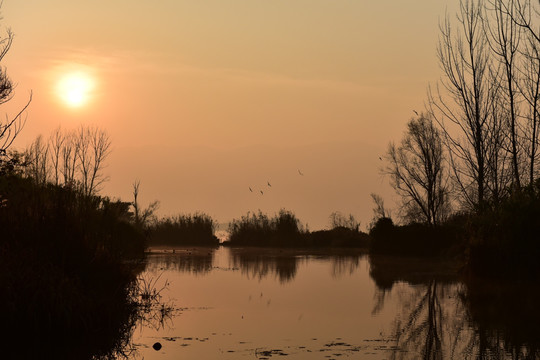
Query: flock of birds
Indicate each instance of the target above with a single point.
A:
(270, 185)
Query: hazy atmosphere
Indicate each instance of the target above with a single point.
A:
(204, 100)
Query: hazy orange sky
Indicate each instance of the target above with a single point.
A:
(204, 99)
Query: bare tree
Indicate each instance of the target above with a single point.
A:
(93, 147)
(142, 216)
(416, 169)
(504, 37)
(525, 14)
(530, 89)
(37, 160)
(379, 211)
(56, 143)
(75, 159)
(68, 166)
(10, 127)
(463, 103)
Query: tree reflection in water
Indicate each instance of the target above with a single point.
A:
(260, 264)
(344, 265)
(442, 317)
(283, 264)
(190, 260)
(506, 318)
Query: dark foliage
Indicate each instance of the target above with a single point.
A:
(182, 230)
(66, 288)
(505, 239)
(416, 239)
(339, 237)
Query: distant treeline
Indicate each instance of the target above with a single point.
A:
(255, 229)
(285, 230)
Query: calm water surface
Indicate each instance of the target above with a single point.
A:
(262, 304)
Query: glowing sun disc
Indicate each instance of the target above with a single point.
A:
(75, 89)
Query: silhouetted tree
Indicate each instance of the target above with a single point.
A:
(142, 216)
(10, 127)
(37, 159)
(56, 143)
(463, 103)
(416, 169)
(504, 36)
(75, 159)
(68, 157)
(93, 147)
(379, 211)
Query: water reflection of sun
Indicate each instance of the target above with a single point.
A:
(75, 88)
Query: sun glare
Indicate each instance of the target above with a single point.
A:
(75, 89)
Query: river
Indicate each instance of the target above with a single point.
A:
(232, 303)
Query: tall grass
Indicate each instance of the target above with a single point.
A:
(190, 229)
(257, 229)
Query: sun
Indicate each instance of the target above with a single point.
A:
(75, 88)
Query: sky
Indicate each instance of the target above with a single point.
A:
(206, 99)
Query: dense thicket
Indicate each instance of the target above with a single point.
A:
(63, 273)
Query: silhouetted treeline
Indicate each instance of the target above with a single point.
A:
(191, 229)
(338, 237)
(285, 230)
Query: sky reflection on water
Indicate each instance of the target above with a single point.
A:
(262, 303)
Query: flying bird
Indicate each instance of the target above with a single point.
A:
(269, 184)
(250, 189)
(414, 111)
(261, 192)
(300, 172)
